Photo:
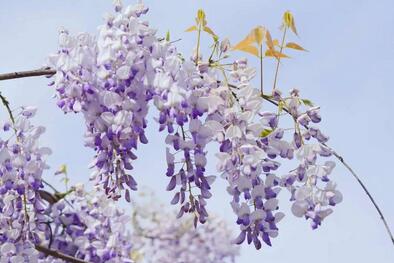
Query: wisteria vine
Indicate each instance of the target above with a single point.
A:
(113, 79)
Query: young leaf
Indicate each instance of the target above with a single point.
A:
(287, 18)
(295, 46)
(268, 40)
(250, 49)
(307, 102)
(281, 105)
(168, 36)
(256, 37)
(136, 256)
(276, 54)
(209, 31)
(288, 21)
(266, 132)
(248, 41)
(192, 28)
(200, 19)
(259, 33)
(201, 24)
(62, 170)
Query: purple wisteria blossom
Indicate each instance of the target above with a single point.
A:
(114, 78)
(22, 162)
(88, 226)
(109, 80)
(159, 239)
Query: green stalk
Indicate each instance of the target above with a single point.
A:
(198, 44)
(277, 64)
(261, 68)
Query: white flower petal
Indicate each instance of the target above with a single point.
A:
(123, 72)
(233, 132)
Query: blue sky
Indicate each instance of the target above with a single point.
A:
(348, 71)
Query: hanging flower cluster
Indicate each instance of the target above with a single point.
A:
(108, 79)
(22, 162)
(161, 240)
(89, 226)
(113, 78)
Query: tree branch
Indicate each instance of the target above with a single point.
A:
(30, 73)
(56, 254)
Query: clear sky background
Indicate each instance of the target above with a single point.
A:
(348, 71)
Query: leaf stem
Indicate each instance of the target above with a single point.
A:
(198, 44)
(280, 53)
(261, 68)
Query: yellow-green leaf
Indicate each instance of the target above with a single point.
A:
(288, 21)
(192, 28)
(287, 18)
(295, 46)
(168, 36)
(307, 102)
(62, 169)
(245, 42)
(136, 255)
(209, 31)
(281, 105)
(215, 39)
(268, 40)
(200, 19)
(250, 49)
(276, 54)
(258, 34)
(200, 14)
(255, 36)
(266, 132)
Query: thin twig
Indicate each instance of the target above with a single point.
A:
(7, 106)
(340, 158)
(30, 73)
(56, 254)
